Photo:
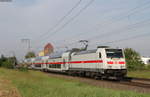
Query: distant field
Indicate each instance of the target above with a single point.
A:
(139, 74)
(38, 84)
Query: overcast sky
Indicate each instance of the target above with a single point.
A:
(118, 23)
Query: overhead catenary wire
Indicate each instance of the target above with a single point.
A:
(128, 27)
(128, 13)
(125, 39)
(69, 21)
(118, 31)
(119, 40)
(61, 19)
(115, 21)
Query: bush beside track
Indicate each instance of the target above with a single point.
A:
(38, 84)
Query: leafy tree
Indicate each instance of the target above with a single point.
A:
(8, 62)
(2, 59)
(133, 59)
(13, 60)
(30, 55)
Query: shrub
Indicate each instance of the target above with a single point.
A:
(7, 64)
(22, 68)
(133, 59)
(148, 67)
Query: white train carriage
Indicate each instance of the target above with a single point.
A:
(96, 63)
(101, 62)
(55, 62)
(40, 63)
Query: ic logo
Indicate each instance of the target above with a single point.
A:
(5, 0)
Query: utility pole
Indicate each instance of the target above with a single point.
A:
(26, 40)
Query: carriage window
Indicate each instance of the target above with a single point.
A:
(100, 55)
(38, 65)
(58, 66)
(54, 65)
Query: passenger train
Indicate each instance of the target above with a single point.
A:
(103, 62)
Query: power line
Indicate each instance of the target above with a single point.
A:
(73, 19)
(128, 27)
(126, 39)
(63, 18)
(121, 40)
(130, 12)
(70, 20)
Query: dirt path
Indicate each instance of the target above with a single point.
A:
(7, 90)
(104, 84)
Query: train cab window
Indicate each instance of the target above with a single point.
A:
(100, 55)
(114, 53)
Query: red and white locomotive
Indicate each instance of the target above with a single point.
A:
(103, 62)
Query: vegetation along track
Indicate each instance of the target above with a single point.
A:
(129, 84)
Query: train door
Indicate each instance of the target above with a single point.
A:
(100, 59)
(65, 65)
(44, 67)
(66, 59)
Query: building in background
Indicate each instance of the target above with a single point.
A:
(146, 60)
(41, 53)
(48, 49)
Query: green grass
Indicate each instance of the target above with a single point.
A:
(139, 74)
(38, 84)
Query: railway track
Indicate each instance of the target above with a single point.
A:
(136, 83)
(139, 82)
(141, 79)
(131, 84)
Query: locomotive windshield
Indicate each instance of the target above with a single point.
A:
(114, 53)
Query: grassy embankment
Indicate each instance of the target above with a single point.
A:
(140, 74)
(7, 89)
(38, 84)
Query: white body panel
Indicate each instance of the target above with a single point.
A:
(85, 57)
(115, 64)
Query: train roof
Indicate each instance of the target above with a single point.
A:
(56, 55)
(86, 52)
